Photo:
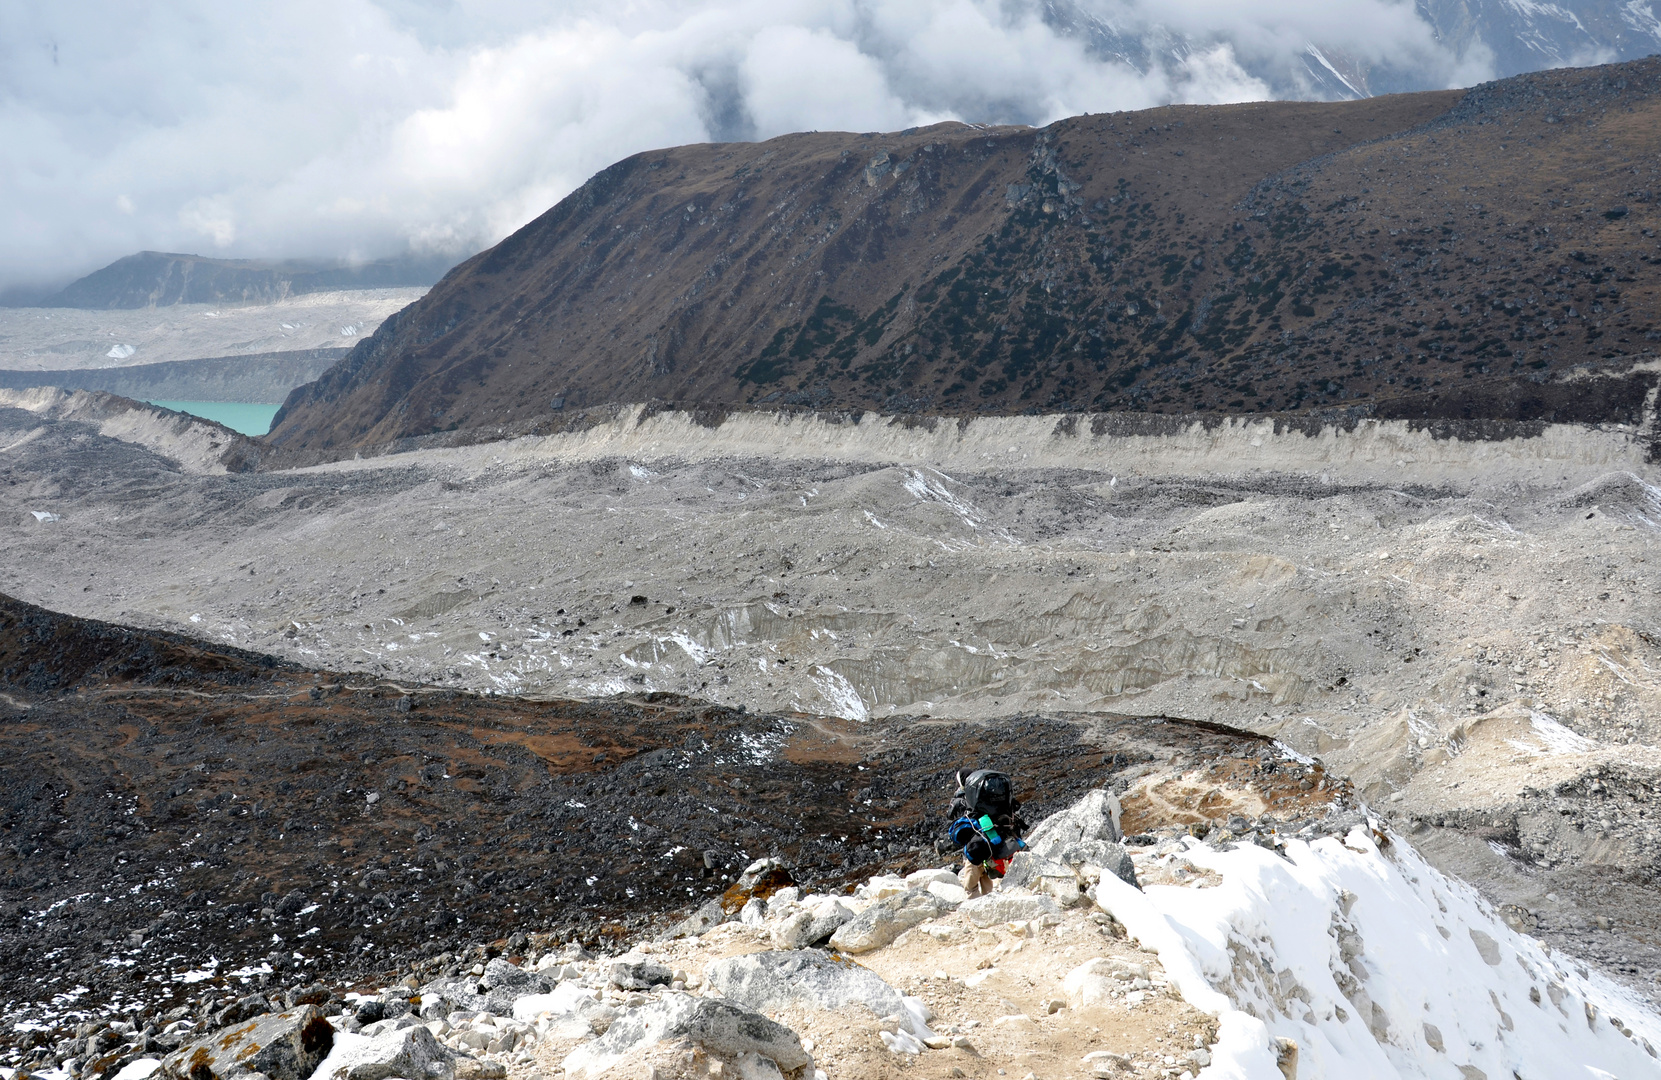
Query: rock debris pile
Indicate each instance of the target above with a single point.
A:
(770, 988)
(1191, 894)
(187, 824)
(1088, 960)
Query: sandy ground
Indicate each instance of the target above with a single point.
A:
(996, 992)
(1372, 608)
(37, 339)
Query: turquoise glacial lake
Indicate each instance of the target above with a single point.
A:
(250, 418)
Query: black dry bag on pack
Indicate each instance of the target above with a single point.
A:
(988, 792)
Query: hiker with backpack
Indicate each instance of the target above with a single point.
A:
(985, 826)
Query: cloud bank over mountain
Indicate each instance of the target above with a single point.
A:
(360, 128)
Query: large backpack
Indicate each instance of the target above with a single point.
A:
(986, 791)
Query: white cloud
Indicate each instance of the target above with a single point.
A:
(327, 127)
(795, 79)
(209, 217)
(1214, 76)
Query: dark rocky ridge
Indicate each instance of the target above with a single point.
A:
(166, 801)
(1444, 248)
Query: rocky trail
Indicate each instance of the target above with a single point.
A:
(183, 819)
(1257, 951)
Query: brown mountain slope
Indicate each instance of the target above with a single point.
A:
(1263, 257)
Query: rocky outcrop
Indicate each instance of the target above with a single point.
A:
(410, 1052)
(720, 1029)
(886, 920)
(1001, 907)
(772, 980)
(1094, 817)
(1069, 851)
(283, 1046)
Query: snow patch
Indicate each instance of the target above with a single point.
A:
(932, 488)
(345, 1051)
(567, 997)
(1641, 17)
(841, 697)
(201, 974)
(1376, 965)
(1320, 58)
(1553, 736)
(138, 1070)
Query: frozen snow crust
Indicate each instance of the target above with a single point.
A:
(1375, 965)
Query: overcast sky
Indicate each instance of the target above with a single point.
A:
(364, 128)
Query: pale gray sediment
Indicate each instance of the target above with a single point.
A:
(258, 377)
(1466, 627)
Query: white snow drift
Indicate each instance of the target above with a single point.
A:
(1376, 965)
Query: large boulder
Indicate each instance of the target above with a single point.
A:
(886, 920)
(636, 972)
(999, 907)
(1094, 817)
(706, 918)
(494, 992)
(411, 1053)
(243, 1008)
(812, 926)
(451, 995)
(1090, 859)
(284, 1046)
(922, 879)
(501, 977)
(723, 1030)
(374, 1010)
(1045, 876)
(772, 980)
(1089, 983)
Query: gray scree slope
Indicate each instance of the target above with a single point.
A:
(1468, 629)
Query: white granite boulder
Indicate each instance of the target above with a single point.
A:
(723, 1030)
(773, 980)
(886, 920)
